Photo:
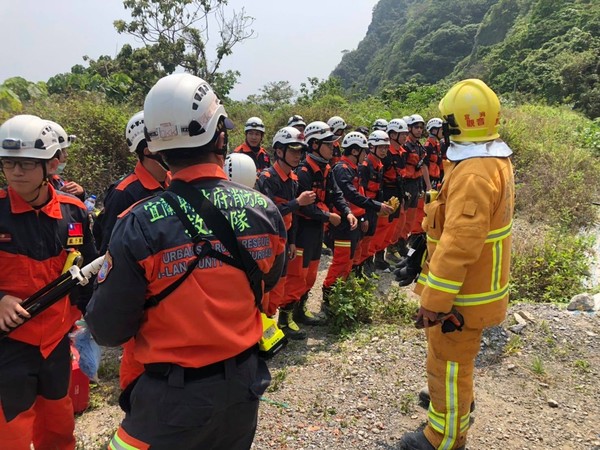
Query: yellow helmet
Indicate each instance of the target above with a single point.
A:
(473, 110)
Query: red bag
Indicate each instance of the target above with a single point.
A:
(79, 388)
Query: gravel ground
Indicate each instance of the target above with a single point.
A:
(537, 388)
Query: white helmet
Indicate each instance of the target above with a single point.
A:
(134, 132)
(287, 136)
(380, 124)
(181, 111)
(406, 119)
(65, 140)
(397, 125)
(355, 138)
(337, 123)
(296, 120)
(433, 123)
(379, 137)
(415, 118)
(27, 136)
(254, 123)
(319, 130)
(240, 168)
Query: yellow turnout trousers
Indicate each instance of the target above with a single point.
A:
(450, 363)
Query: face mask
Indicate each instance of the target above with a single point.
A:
(60, 168)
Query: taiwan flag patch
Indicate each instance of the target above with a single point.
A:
(75, 234)
(76, 229)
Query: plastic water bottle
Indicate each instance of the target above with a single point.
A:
(90, 203)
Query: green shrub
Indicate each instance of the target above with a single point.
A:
(556, 174)
(396, 308)
(99, 156)
(551, 266)
(351, 303)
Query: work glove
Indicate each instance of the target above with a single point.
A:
(450, 321)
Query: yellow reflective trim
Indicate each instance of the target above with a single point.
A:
(422, 279)
(441, 284)
(120, 444)
(465, 423)
(481, 298)
(436, 420)
(452, 418)
(500, 233)
(496, 265)
(342, 243)
(493, 236)
(299, 252)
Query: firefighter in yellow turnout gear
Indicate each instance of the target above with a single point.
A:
(468, 231)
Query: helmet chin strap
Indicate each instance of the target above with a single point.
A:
(159, 160)
(284, 159)
(41, 185)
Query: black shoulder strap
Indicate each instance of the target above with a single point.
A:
(221, 228)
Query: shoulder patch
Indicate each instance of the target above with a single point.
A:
(105, 269)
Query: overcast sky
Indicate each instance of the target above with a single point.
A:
(294, 39)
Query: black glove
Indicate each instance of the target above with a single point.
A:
(409, 268)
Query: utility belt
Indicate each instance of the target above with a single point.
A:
(166, 370)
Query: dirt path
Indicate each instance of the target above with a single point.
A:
(535, 390)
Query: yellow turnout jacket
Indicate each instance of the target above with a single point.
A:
(469, 241)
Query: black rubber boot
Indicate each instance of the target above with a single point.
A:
(391, 255)
(417, 441)
(287, 324)
(325, 305)
(401, 247)
(369, 267)
(380, 262)
(303, 315)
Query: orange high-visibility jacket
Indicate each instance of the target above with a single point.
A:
(469, 240)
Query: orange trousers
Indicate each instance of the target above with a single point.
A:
(275, 298)
(49, 424)
(450, 363)
(299, 279)
(417, 227)
(379, 241)
(341, 264)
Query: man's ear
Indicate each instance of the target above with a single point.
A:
(52, 165)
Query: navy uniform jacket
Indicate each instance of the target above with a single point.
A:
(34, 245)
(282, 189)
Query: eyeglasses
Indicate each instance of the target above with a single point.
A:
(25, 165)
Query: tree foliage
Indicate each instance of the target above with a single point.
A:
(545, 49)
(274, 94)
(177, 33)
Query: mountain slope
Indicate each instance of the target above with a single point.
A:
(549, 49)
